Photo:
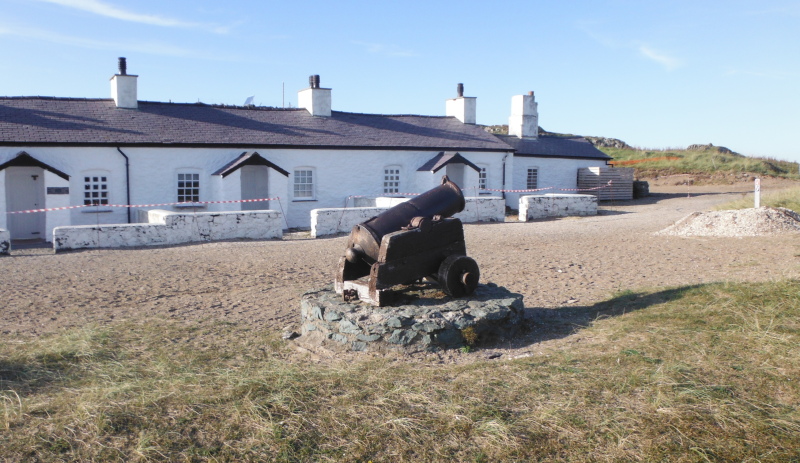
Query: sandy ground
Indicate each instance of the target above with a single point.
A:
(572, 262)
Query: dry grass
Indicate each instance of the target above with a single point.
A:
(704, 163)
(707, 373)
(788, 198)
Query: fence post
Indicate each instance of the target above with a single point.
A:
(758, 193)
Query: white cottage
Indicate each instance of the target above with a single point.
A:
(61, 152)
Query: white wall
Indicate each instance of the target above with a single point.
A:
(553, 172)
(153, 177)
(483, 209)
(341, 220)
(5, 242)
(3, 210)
(55, 218)
(331, 221)
(172, 228)
(556, 205)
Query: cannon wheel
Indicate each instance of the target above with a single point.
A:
(459, 275)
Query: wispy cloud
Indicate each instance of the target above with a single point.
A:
(670, 63)
(110, 11)
(152, 48)
(386, 50)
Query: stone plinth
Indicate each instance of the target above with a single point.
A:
(423, 318)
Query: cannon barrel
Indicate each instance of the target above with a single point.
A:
(443, 201)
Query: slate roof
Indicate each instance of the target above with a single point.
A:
(72, 121)
(247, 159)
(442, 159)
(560, 147)
(24, 159)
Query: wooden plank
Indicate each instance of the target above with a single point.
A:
(595, 177)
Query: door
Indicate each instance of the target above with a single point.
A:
(255, 186)
(25, 191)
(455, 172)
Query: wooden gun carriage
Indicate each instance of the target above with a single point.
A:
(411, 241)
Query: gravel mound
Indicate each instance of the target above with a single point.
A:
(743, 222)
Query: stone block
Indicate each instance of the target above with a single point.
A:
(556, 205)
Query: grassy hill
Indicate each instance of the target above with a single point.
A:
(710, 160)
(715, 163)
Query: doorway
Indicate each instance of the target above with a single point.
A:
(255, 185)
(455, 171)
(25, 191)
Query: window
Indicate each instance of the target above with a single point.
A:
(532, 181)
(304, 184)
(482, 178)
(391, 180)
(188, 188)
(95, 190)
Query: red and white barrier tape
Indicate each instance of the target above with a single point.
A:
(145, 205)
(46, 210)
(549, 188)
(516, 191)
(587, 189)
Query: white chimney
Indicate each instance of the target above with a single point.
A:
(315, 100)
(524, 119)
(123, 87)
(463, 107)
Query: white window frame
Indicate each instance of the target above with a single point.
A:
(483, 179)
(96, 191)
(392, 179)
(307, 185)
(535, 185)
(189, 199)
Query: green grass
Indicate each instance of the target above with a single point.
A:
(788, 198)
(705, 373)
(703, 162)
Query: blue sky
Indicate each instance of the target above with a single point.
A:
(655, 74)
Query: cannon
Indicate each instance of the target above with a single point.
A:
(412, 241)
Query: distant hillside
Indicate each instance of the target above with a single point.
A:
(716, 163)
(713, 162)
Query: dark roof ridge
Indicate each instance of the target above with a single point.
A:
(41, 97)
(390, 115)
(221, 105)
(199, 103)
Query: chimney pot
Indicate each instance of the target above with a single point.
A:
(530, 93)
(313, 81)
(460, 90)
(123, 66)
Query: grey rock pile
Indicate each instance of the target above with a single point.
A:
(424, 319)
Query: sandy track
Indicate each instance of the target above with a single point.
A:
(556, 263)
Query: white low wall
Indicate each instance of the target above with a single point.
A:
(556, 205)
(5, 242)
(331, 221)
(168, 228)
(483, 209)
(341, 220)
